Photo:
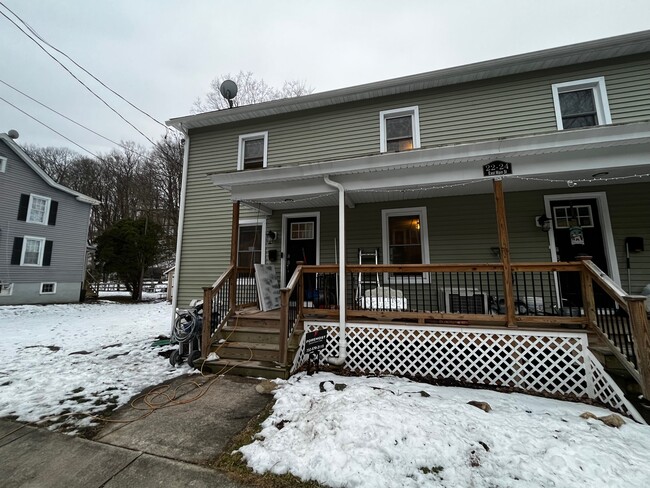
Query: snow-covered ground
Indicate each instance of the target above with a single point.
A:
(391, 432)
(80, 358)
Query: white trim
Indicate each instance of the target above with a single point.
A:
(3, 164)
(399, 112)
(46, 213)
(247, 137)
(605, 226)
(181, 222)
(41, 250)
(600, 98)
(424, 233)
(283, 248)
(41, 292)
(251, 223)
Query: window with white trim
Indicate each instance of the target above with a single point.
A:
(38, 210)
(3, 164)
(250, 244)
(33, 249)
(253, 150)
(404, 236)
(399, 129)
(581, 103)
(567, 216)
(48, 288)
(6, 289)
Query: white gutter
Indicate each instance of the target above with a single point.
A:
(181, 219)
(340, 360)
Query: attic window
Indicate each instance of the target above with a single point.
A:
(253, 151)
(399, 129)
(3, 164)
(581, 103)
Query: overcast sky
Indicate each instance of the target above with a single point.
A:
(162, 54)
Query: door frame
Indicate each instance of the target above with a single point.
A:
(605, 226)
(283, 247)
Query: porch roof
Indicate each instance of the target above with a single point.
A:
(539, 161)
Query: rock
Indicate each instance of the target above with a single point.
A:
(588, 415)
(340, 386)
(266, 387)
(424, 394)
(485, 406)
(612, 420)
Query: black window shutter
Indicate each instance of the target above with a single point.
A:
(17, 250)
(54, 206)
(22, 208)
(47, 255)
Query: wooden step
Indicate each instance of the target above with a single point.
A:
(249, 350)
(262, 335)
(240, 367)
(254, 321)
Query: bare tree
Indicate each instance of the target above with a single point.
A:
(250, 90)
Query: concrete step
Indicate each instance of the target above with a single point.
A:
(242, 367)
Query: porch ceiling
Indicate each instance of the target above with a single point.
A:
(538, 162)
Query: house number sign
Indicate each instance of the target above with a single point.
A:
(497, 168)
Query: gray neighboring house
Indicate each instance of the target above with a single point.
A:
(43, 233)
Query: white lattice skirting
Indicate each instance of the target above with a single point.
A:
(556, 362)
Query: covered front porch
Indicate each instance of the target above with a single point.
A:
(541, 294)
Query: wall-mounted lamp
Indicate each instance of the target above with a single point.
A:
(544, 222)
(271, 236)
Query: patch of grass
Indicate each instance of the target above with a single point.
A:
(233, 464)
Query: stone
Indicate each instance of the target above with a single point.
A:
(612, 420)
(485, 406)
(265, 387)
(588, 415)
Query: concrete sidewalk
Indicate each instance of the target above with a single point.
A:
(170, 447)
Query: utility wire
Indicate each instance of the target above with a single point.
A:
(82, 68)
(75, 77)
(60, 114)
(53, 130)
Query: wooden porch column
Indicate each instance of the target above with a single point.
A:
(504, 247)
(641, 334)
(588, 301)
(234, 248)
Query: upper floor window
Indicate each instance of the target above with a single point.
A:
(39, 209)
(253, 150)
(399, 129)
(3, 164)
(581, 103)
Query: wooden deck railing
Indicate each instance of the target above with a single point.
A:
(219, 302)
(620, 320)
(291, 311)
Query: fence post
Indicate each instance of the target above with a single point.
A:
(284, 326)
(641, 336)
(587, 286)
(206, 333)
(300, 298)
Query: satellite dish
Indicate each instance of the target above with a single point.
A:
(13, 134)
(228, 90)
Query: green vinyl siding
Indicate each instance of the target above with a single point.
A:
(462, 228)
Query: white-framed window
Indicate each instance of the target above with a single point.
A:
(302, 231)
(251, 243)
(253, 151)
(33, 249)
(405, 237)
(567, 216)
(399, 129)
(6, 289)
(581, 103)
(39, 209)
(3, 164)
(48, 288)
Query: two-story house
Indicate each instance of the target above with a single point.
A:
(43, 233)
(510, 195)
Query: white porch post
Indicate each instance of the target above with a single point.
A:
(340, 360)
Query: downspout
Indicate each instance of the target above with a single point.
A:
(340, 360)
(181, 218)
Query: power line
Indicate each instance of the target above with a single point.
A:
(60, 114)
(75, 77)
(53, 130)
(82, 68)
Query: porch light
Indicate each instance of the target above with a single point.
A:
(544, 222)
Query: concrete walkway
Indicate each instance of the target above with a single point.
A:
(170, 447)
